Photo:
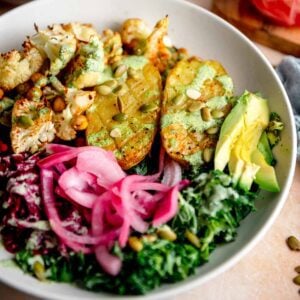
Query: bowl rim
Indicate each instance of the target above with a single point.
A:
(197, 281)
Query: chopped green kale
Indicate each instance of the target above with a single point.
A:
(274, 129)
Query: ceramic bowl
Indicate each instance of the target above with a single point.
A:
(208, 37)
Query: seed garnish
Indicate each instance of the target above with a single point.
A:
(293, 243)
(115, 133)
(193, 94)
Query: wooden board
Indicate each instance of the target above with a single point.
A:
(258, 28)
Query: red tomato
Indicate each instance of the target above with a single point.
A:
(284, 12)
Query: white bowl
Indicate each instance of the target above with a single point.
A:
(207, 36)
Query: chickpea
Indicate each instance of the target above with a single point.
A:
(80, 122)
(1, 94)
(35, 93)
(58, 104)
(39, 79)
(23, 88)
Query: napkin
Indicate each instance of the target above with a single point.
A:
(288, 71)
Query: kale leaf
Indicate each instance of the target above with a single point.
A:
(157, 263)
(212, 208)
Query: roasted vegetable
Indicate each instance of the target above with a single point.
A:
(124, 119)
(139, 39)
(56, 44)
(112, 44)
(16, 67)
(82, 31)
(77, 102)
(196, 101)
(32, 126)
(87, 67)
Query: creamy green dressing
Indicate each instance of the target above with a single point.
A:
(100, 139)
(188, 120)
(227, 83)
(106, 75)
(92, 60)
(125, 130)
(135, 62)
(218, 194)
(217, 102)
(204, 73)
(194, 159)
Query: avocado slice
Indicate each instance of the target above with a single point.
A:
(230, 131)
(266, 176)
(263, 156)
(239, 137)
(265, 149)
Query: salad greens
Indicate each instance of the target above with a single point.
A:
(274, 129)
(211, 208)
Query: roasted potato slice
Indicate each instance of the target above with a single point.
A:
(125, 121)
(196, 100)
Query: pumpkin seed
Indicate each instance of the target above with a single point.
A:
(121, 69)
(120, 104)
(150, 238)
(166, 233)
(120, 117)
(116, 133)
(194, 240)
(296, 280)
(207, 154)
(178, 100)
(148, 107)
(195, 106)
(193, 94)
(39, 270)
(205, 114)
(217, 114)
(293, 243)
(135, 243)
(103, 90)
(111, 83)
(297, 269)
(212, 130)
(24, 121)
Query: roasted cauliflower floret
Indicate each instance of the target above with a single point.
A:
(156, 45)
(32, 126)
(134, 33)
(88, 65)
(16, 67)
(82, 32)
(112, 46)
(57, 44)
(78, 102)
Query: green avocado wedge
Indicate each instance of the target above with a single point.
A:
(266, 176)
(238, 144)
